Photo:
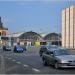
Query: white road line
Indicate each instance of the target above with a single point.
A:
(25, 65)
(13, 60)
(2, 68)
(18, 62)
(35, 69)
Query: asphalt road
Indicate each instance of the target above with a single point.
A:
(28, 62)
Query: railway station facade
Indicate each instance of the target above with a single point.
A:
(28, 38)
(34, 38)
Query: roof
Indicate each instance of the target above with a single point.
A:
(52, 48)
(17, 34)
(4, 28)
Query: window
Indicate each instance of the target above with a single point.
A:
(49, 53)
(0, 33)
(4, 33)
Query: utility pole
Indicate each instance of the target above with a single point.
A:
(58, 39)
(9, 37)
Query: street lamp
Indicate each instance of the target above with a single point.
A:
(9, 38)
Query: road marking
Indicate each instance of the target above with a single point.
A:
(25, 65)
(2, 68)
(13, 60)
(35, 69)
(18, 62)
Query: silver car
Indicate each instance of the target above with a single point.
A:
(59, 58)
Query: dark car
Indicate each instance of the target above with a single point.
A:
(60, 58)
(44, 48)
(6, 48)
(19, 48)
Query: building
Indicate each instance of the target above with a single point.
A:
(27, 37)
(54, 38)
(3, 33)
(33, 38)
(3, 30)
(68, 27)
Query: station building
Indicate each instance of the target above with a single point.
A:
(54, 38)
(33, 38)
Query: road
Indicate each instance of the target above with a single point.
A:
(28, 62)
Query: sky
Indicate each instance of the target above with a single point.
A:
(41, 16)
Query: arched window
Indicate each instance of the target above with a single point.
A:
(4, 33)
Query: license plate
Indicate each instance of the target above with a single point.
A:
(8, 48)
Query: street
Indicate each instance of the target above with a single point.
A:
(28, 62)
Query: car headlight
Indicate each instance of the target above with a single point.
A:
(22, 49)
(17, 49)
(64, 61)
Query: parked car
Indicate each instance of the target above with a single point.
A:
(60, 58)
(18, 48)
(6, 48)
(24, 47)
(44, 48)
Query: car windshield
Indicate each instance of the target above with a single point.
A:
(53, 46)
(18, 46)
(7, 46)
(61, 52)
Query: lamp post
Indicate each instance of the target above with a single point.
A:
(58, 39)
(9, 36)
(58, 36)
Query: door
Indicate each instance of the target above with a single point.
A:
(51, 58)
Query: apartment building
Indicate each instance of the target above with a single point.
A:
(68, 27)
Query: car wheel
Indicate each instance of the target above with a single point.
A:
(22, 51)
(44, 62)
(56, 65)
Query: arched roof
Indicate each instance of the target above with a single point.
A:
(51, 35)
(17, 34)
(30, 33)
